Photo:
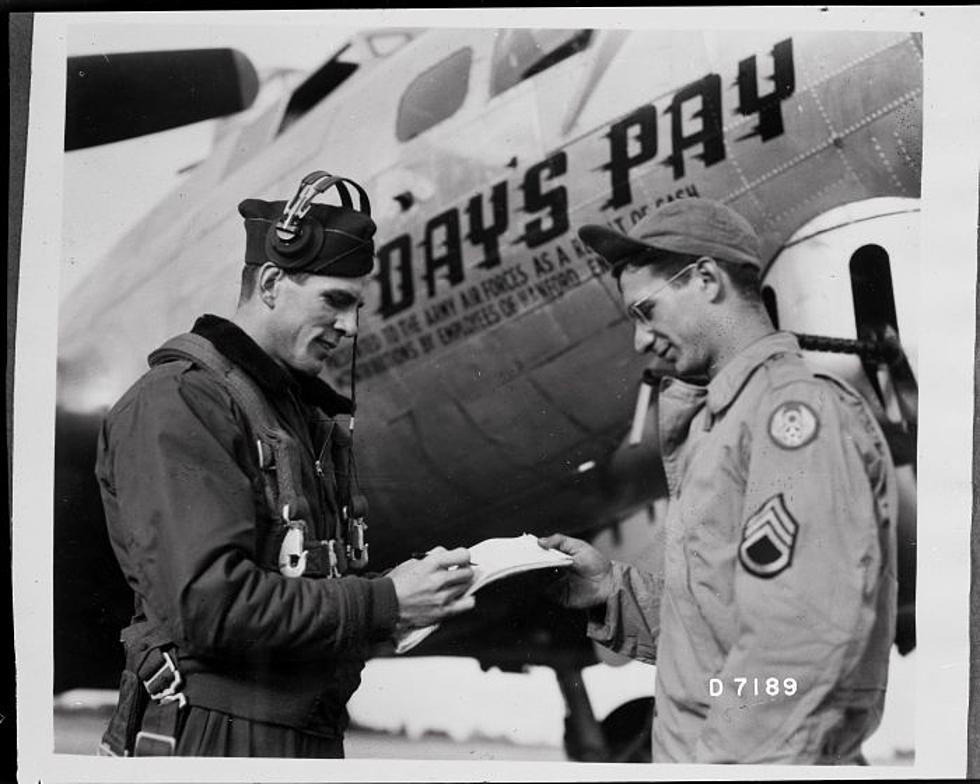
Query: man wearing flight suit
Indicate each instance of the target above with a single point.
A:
(772, 615)
(226, 477)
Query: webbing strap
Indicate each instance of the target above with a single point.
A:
(253, 403)
(202, 351)
(160, 729)
(289, 506)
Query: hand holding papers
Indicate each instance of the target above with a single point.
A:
(492, 560)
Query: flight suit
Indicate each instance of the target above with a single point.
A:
(772, 615)
(269, 662)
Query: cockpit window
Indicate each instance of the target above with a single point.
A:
(385, 43)
(317, 86)
(520, 54)
(434, 95)
(362, 50)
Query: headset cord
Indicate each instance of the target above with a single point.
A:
(352, 483)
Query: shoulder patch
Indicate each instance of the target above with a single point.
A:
(768, 539)
(793, 424)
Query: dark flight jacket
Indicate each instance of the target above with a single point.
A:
(189, 520)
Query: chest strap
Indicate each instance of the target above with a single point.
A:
(277, 450)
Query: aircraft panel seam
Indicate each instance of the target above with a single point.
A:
(435, 467)
(791, 163)
(878, 113)
(811, 235)
(887, 164)
(833, 133)
(740, 120)
(817, 195)
(494, 439)
(551, 401)
(568, 348)
(903, 151)
(738, 170)
(744, 120)
(915, 39)
(762, 206)
(498, 442)
(857, 61)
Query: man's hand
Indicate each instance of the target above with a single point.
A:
(429, 589)
(588, 581)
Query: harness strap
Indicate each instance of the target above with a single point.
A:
(202, 351)
(161, 727)
(289, 506)
(257, 410)
(164, 713)
(149, 709)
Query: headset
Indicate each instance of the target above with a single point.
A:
(291, 238)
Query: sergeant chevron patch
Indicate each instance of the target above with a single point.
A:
(768, 539)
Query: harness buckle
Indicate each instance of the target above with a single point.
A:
(153, 744)
(334, 561)
(162, 719)
(180, 698)
(162, 686)
(357, 546)
(292, 556)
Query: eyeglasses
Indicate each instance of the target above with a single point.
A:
(641, 311)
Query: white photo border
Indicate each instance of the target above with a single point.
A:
(948, 277)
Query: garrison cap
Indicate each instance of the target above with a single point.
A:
(692, 226)
(301, 236)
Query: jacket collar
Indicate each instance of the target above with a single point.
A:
(724, 387)
(235, 344)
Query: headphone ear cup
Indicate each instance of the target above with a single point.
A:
(290, 253)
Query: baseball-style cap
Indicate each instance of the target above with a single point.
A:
(695, 226)
(331, 240)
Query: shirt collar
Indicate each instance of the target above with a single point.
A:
(725, 386)
(235, 344)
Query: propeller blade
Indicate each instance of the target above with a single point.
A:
(111, 97)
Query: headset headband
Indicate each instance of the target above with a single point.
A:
(292, 239)
(288, 226)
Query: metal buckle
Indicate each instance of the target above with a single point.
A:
(266, 458)
(105, 750)
(146, 742)
(292, 556)
(357, 547)
(180, 698)
(333, 560)
(169, 693)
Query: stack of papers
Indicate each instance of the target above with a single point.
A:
(494, 559)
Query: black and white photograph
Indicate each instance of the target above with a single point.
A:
(496, 394)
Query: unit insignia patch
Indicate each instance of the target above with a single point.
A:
(793, 425)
